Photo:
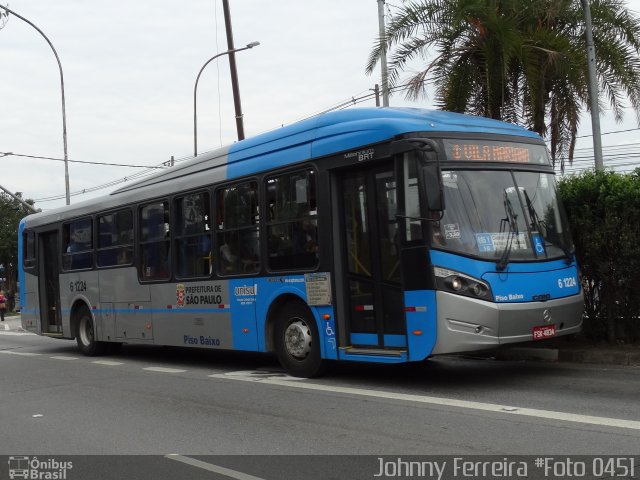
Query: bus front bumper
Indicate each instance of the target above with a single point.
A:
(466, 324)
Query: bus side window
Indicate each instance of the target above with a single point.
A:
(78, 245)
(115, 239)
(292, 223)
(413, 224)
(193, 235)
(154, 242)
(237, 231)
(29, 252)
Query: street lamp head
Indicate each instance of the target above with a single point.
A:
(253, 44)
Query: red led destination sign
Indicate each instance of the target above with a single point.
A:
(488, 151)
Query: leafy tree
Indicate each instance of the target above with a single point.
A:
(11, 212)
(522, 61)
(604, 214)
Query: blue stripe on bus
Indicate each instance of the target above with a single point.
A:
(155, 310)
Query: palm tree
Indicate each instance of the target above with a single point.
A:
(522, 61)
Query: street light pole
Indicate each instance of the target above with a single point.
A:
(195, 89)
(64, 109)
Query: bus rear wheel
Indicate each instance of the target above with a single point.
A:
(297, 341)
(86, 336)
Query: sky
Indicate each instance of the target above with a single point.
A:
(129, 75)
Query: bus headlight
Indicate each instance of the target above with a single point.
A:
(461, 284)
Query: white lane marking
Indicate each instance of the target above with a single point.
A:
(259, 375)
(107, 362)
(6, 327)
(164, 370)
(210, 467)
(447, 402)
(63, 357)
(24, 354)
(16, 334)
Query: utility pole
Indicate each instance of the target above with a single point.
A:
(593, 88)
(383, 54)
(234, 72)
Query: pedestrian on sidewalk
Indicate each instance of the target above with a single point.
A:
(3, 305)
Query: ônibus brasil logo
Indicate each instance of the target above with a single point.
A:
(30, 468)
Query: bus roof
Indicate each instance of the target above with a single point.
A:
(327, 134)
(316, 137)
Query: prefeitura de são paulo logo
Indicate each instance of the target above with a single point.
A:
(180, 295)
(38, 469)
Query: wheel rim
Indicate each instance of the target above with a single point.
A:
(297, 339)
(86, 331)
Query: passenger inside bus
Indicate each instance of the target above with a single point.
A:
(78, 238)
(228, 255)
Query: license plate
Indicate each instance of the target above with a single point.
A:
(544, 331)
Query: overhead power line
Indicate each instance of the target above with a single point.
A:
(148, 171)
(11, 154)
(610, 133)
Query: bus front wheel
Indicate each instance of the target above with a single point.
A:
(297, 341)
(86, 336)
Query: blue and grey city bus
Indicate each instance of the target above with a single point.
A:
(372, 235)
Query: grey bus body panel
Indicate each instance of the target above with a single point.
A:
(198, 315)
(125, 306)
(30, 316)
(496, 324)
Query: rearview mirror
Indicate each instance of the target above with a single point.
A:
(431, 180)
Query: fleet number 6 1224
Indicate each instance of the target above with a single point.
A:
(567, 282)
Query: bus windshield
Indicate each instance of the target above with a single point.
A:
(498, 214)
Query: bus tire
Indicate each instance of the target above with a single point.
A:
(86, 335)
(297, 342)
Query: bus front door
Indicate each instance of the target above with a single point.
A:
(49, 283)
(371, 290)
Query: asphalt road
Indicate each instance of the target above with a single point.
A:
(195, 403)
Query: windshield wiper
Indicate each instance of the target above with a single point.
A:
(538, 225)
(512, 221)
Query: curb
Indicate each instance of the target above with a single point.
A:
(603, 357)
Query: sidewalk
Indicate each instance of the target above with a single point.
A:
(576, 350)
(11, 323)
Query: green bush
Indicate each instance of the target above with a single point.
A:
(604, 214)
